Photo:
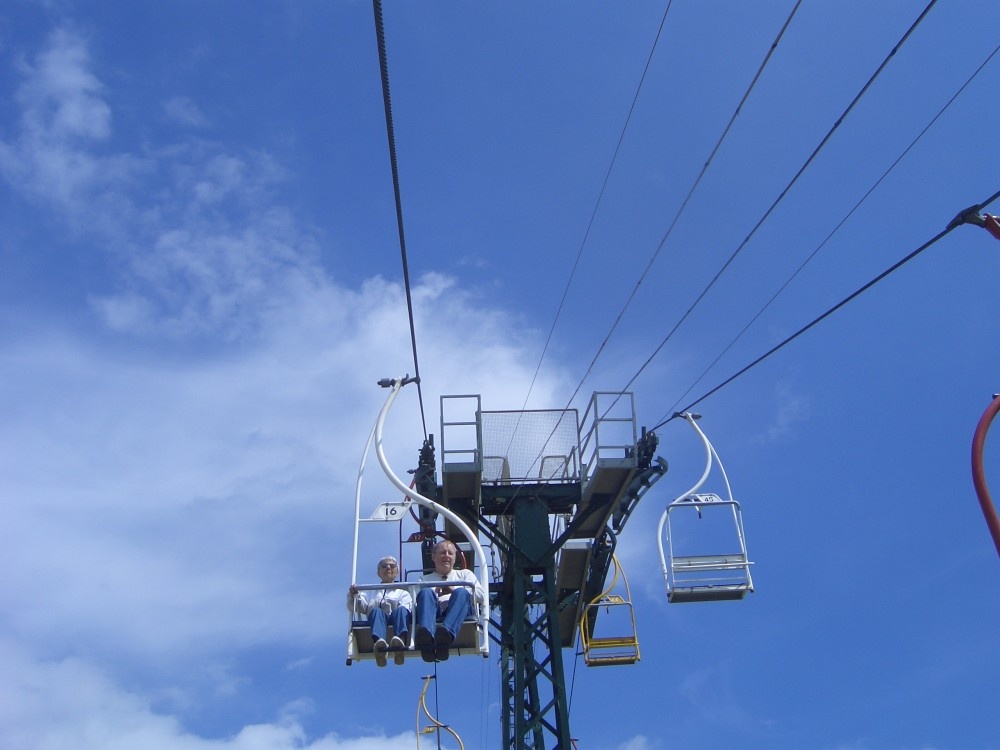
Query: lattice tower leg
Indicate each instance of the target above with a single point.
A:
(535, 711)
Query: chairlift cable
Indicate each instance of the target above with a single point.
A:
(962, 218)
(586, 236)
(597, 205)
(783, 193)
(437, 702)
(835, 229)
(687, 198)
(390, 134)
(694, 186)
(576, 664)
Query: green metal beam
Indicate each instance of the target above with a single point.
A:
(535, 713)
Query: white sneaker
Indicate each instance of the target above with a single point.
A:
(398, 647)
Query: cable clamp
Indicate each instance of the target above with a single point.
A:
(390, 382)
(969, 215)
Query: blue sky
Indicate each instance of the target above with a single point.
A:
(201, 285)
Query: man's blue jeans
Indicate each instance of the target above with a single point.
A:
(459, 606)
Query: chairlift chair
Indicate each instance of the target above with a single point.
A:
(472, 637)
(610, 650)
(361, 645)
(719, 573)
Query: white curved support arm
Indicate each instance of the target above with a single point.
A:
(357, 503)
(482, 570)
(709, 454)
(712, 454)
(659, 544)
(709, 451)
(354, 557)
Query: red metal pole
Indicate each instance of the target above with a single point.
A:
(979, 474)
(992, 224)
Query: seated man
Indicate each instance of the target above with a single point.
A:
(383, 607)
(441, 609)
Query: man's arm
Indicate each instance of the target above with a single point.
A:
(468, 575)
(356, 600)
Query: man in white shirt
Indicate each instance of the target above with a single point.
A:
(441, 609)
(385, 606)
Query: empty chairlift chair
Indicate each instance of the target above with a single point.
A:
(613, 644)
(706, 555)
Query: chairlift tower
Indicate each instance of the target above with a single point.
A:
(550, 496)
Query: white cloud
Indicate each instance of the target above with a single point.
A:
(204, 279)
(184, 111)
(63, 117)
(155, 485)
(206, 252)
(725, 707)
(639, 743)
(165, 508)
(60, 97)
(71, 704)
(793, 408)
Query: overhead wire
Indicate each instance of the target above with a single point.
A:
(680, 211)
(383, 62)
(840, 224)
(687, 198)
(784, 192)
(899, 264)
(600, 198)
(579, 253)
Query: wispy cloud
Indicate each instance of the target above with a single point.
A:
(186, 112)
(204, 248)
(57, 154)
(176, 489)
(73, 703)
(792, 409)
(640, 743)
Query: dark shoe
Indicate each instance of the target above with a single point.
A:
(380, 649)
(441, 653)
(428, 654)
(443, 636)
(424, 639)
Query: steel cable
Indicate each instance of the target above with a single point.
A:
(383, 62)
(954, 225)
(783, 193)
(835, 229)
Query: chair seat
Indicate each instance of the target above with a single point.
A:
(729, 592)
(466, 641)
